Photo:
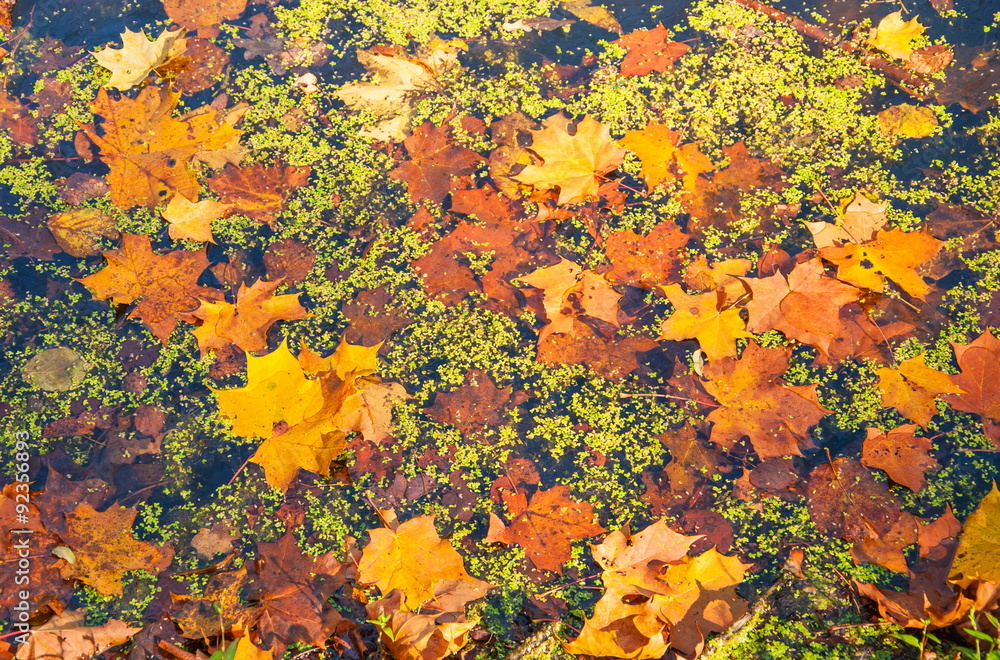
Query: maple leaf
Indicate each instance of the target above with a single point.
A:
(430, 634)
(245, 322)
(130, 64)
(977, 556)
(907, 121)
(900, 454)
(663, 159)
(434, 160)
(646, 261)
(56, 593)
(575, 164)
(612, 355)
(372, 317)
(775, 416)
(980, 365)
(544, 526)
(845, 500)
(258, 191)
(703, 317)
(892, 254)
(192, 221)
(803, 306)
(203, 16)
(893, 35)
(422, 565)
(716, 201)
(912, 387)
(292, 590)
(17, 120)
(477, 404)
(564, 286)
(649, 50)
(148, 149)
(104, 547)
(78, 231)
(400, 82)
(164, 287)
(68, 638)
(860, 218)
(933, 600)
(701, 276)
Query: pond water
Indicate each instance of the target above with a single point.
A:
(391, 305)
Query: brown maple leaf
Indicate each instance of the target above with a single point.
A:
(754, 403)
(218, 610)
(650, 50)
(478, 403)
(49, 589)
(203, 16)
(717, 201)
(292, 590)
(372, 317)
(148, 149)
(846, 501)
(245, 322)
(545, 526)
(164, 287)
(434, 160)
(258, 191)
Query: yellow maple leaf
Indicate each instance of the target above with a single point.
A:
(699, 317)
(138, 56)
(977, 556)
(893, 35)
(277, 390)
(192, 221)
(572, 163)
(306, 420)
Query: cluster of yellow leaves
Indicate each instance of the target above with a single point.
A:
(425, 588)
(657, 596)
(304, 407)
(912, 387)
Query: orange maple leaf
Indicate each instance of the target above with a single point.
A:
(148, 149)
(663, 159)
(912, 387)
(259, 191)
(653, 592)
(650, 50)
(103, 547)
(245, 322)
(545, 526)
(165, 287)
(892, 254)
(418, 562)
(646, 261)
(575, 164)
(754, 403)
